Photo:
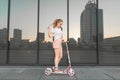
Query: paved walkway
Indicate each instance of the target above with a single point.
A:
(82, 73)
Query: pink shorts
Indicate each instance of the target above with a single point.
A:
(57, 43)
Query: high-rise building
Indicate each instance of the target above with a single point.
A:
(88, 24)
(17, 36)
(3, 36)
(41, 36)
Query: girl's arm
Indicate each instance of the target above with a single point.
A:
(50, 34)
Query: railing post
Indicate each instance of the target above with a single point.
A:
(8, 26)
(97, 33)
(38, 31)
(67, 20)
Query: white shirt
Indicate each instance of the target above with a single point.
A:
(57, 33)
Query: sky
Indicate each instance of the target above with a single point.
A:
(24, 16)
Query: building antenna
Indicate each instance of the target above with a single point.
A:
(91, 1)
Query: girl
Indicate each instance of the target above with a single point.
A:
(57, 34)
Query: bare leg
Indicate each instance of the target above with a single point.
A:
(60, 55)
(56, 59)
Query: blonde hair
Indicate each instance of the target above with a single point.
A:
(56, 22)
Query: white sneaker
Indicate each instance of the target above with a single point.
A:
(56, 69)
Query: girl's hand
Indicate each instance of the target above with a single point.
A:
(48, 27)
(62, 40)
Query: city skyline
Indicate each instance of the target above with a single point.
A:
(111, 27)
(17, 36)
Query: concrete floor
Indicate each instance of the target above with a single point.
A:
(82, 73)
